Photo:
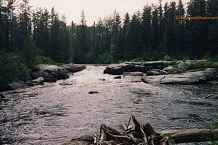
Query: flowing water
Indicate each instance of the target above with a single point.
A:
(57, 112)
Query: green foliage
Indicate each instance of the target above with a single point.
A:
(203, 64)
(104, 58)
(136, 60)
(170, 139)
(148, 35)
(12, 69)
(176, 70)
(184, 58)
(167, 58)
(29, 52)
(43, 60)
(212, 126)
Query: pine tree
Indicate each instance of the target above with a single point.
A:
(179, 31)
(197, 29)
(146, 25)
(83, 38)
(153, 34)
(134, 43)
(212, 11)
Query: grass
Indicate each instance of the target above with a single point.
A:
(203, 64)
(176, 70)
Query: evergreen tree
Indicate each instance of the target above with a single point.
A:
(197, 29)
(83, 39)
(179, 31)
(153, 34)
(212, 11)
(146, 25)
(134, 43)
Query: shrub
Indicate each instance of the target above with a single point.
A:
(12, 69)
(176, 70)
(43, 60)
(167, 58)
(203, 64)
(137, 60)
(212, 126)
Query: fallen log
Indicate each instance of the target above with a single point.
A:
(143, 135)
(190, 135)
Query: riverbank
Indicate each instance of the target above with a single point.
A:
(169, 72)
(55, 113)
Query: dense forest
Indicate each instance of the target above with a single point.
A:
(32, 36)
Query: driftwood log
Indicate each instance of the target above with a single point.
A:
(142, 135)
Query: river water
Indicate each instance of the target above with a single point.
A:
(56, 112)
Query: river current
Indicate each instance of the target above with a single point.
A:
(54, 113)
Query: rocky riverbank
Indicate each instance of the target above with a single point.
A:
(159, 72)
(47, 73)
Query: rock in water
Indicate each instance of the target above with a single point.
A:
(115, 69)
(184, 78)
(93, 92)
(119, 69)
(50, 73)
(133, 74)
(18, 85)
(73, 67)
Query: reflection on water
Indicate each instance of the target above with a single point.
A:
(57, 112)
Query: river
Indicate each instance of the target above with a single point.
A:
(54, 113)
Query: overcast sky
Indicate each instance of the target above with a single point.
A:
(94, 9)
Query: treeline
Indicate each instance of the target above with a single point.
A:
(32, 36)
(149, 35)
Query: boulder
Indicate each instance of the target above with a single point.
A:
(184, 78)
(73, 67)
(37, 81)
(115, 69)
(50, 73)
(133, 74)
(119, 69)
(155, 72)
(18, 85)
(168, 68)
(184, 65)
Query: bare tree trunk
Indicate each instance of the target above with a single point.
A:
(190, 135)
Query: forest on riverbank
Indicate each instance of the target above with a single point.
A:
(32, 36)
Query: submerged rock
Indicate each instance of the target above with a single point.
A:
(93, 92)
(117, 77)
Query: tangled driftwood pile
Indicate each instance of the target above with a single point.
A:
(142, 135)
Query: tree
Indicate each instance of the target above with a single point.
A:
(146, 25)
(153, 34)
(83, 38)
(212, 10)
(197, 29)
(29, 52)
(134, 43)
(179, 31)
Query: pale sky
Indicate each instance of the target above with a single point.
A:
(94, 9)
